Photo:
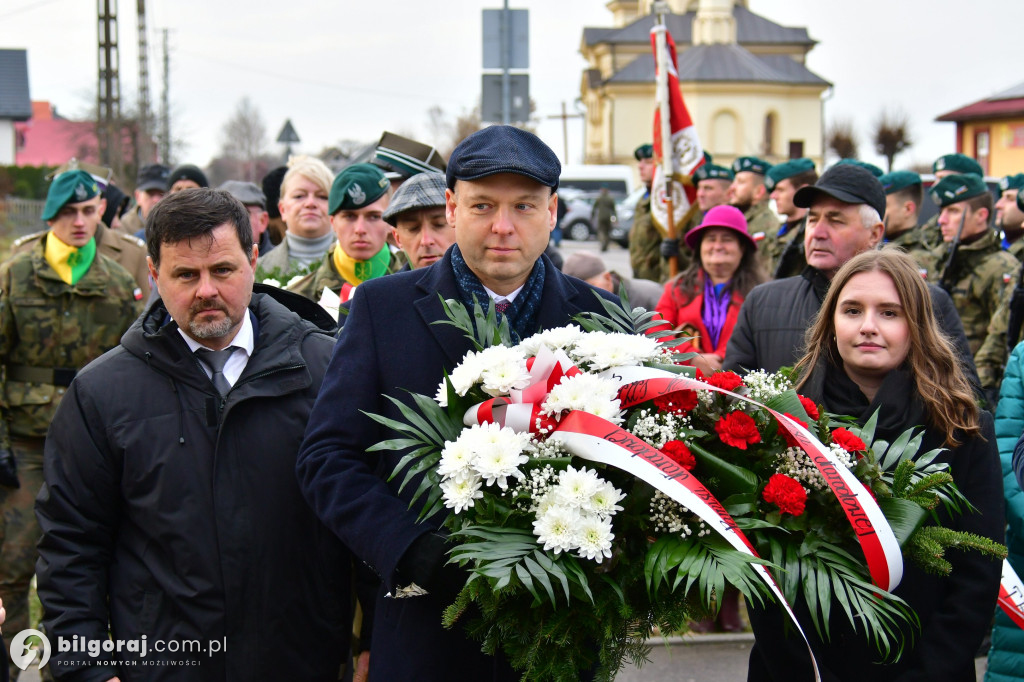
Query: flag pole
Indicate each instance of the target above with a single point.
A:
(661, 94)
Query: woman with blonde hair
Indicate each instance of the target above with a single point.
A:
(303, 206)
(875, 348)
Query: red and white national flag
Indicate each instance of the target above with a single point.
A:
(685, 153)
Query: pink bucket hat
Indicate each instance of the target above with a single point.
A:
(725, 216)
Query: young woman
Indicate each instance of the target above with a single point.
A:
(874, 347)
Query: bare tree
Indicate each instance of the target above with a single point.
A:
(891, 133)
(842, 139)
(245, 139)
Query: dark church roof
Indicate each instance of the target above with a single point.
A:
(14, 98)
(723, 63)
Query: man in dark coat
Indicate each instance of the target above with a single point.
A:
(170, 511)
(845, 218)
(500, 199)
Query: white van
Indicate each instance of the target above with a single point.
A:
(589, 179)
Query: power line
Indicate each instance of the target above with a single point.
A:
(27, 8)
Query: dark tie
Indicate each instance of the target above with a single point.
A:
(215, 360)
(502, 306)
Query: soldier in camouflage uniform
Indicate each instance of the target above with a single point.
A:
(980, 269)
(602, 213)
(749, 194)
(944, 166)
(783, 252)
(62, 305)
(1009, 218)
(356, 204)
(904, 193)
(644, 237)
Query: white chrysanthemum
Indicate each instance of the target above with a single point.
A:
(605, 499)
(546, 499)
(456, 459)
(272, 282)
(502, 369)
(500, 461)
(577, 487)
(604, 350)
(557, 528)
(441, 397)
(561, 338)
(467, 373)
(293, 280)
(594, 538)
(461, 493)
(586, 392)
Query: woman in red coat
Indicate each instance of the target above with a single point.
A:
(704, 301)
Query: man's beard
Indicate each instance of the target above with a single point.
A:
(209, 330)
(743, 206)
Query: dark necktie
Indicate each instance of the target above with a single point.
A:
(215, 360)
(502, 306)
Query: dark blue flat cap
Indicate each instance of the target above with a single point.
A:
(503, 149)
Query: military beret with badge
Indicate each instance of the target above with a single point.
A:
(1012, 182)
(356, 186)
(644, 151)
(71, 187)
(958, 163)
(787, 169)
(711, 171)
(751, 164)
(953, 189)
(897, 180)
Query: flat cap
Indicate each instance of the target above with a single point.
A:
(187, 171)
(644, 151)
(897, 180)
(750, 164)
(787, 169)
(69, 188)
(249, 193)
(356, 186)
(953, 189)
(711, 171)
(423, 190)
(503, 149)
(875, 170)
(403, 158)
(958, 163)
(850, 183)
(1012, 182)
(583, 265)
(153, 176)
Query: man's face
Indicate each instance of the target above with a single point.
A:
(746, 190)
(646, 168)
(147, 199)
(303, 207)
(206, 284)
(783, 196)
(900, 214)
(183, 184)
(975, 221)
(712, 192)
(259, 219)
(424, 234)
(835, 234)
(1008, 216)
(502, 225)
(361, 232)
(75, 224)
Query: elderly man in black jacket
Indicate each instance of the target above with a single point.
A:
(846, 207)
(171, 515)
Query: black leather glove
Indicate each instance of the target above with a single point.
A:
(8, 469)
(424, 563)
(669, 248)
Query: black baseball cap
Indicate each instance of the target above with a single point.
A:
(503, 149)
(848, 183)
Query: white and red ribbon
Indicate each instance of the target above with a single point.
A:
(1011, 594)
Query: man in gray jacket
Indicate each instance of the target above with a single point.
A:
(844, 219)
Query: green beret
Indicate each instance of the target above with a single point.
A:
(356, 186)
(751, 164)
(781, 171)
(71, 187)
(956, 188)
(707, 156)
(875, 170)
(1012, 182)
(644, 151)
(710, 171)
(1020, 200)
(897, 180)
(959, 163)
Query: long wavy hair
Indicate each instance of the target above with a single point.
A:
(689, 283)
(931, 359)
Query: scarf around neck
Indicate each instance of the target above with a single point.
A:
(69, 262)
(356, 272)
(715, 307)
(521, 313)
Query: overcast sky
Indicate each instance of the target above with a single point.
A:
(349, 70)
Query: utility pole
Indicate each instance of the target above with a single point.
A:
(144, 152)
(108, 92)
(565, 131)
(165, 108)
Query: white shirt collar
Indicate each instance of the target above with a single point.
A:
(243, 338)
(498, 297)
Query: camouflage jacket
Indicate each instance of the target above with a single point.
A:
(1017, 249)
(789, 260)
(645, 245)
(912, 241)
(126, 250)
(763, 226)
(49, 330)
(980, 272)
(312, 285)
(931, 235)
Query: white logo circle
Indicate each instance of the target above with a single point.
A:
(22, 654)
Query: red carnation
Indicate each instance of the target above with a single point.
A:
(790, 440)
(785, 493)
(847, 441)
(809, 407)
(725, 380)
(738, 429)
(679, 402)
(680, 454)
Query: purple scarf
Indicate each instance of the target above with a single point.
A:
(714, 308)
